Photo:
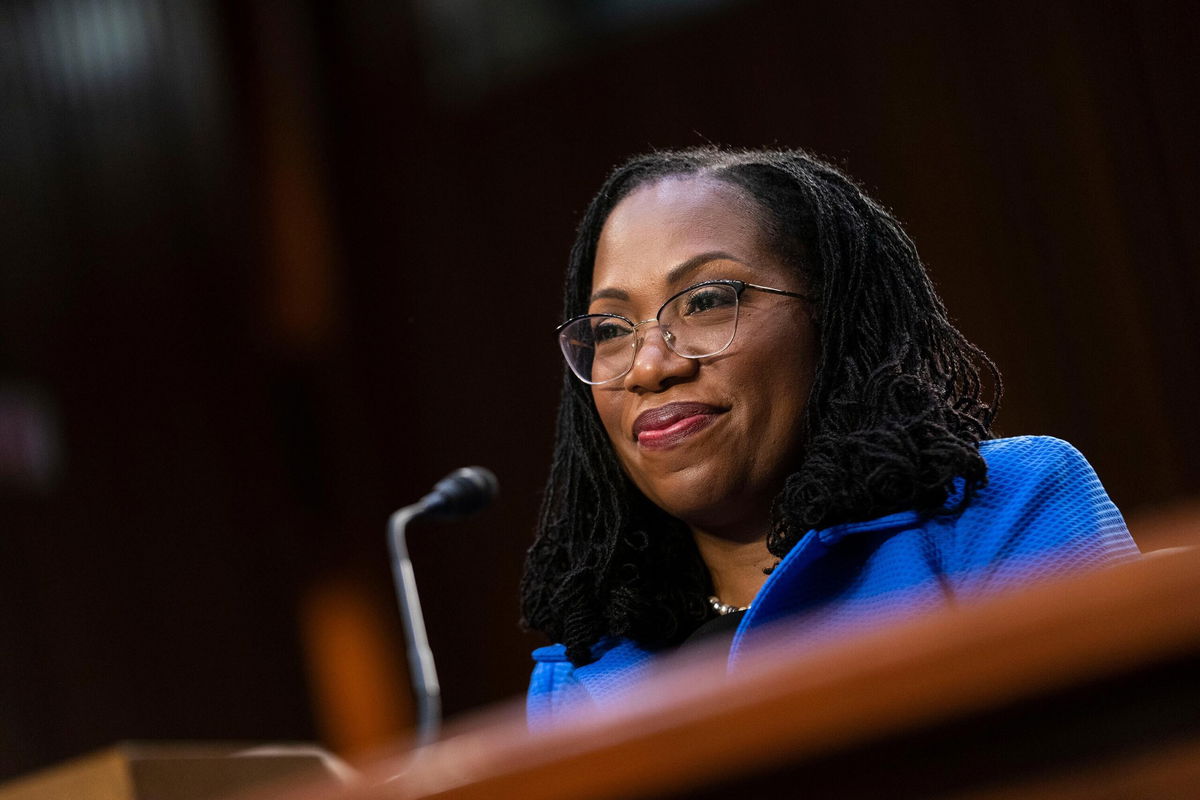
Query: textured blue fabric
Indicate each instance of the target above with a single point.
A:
(1042, 513)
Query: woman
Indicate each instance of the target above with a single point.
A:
(767, 412)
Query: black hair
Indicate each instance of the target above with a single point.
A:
(895, 412)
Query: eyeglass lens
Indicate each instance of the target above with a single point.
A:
(697, 322)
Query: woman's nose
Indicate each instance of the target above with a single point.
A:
(655, 365)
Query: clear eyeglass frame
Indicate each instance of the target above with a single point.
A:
(576, 335)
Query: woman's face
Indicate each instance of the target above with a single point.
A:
(708, 440)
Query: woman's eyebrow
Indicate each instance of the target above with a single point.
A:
(676, 274)
(686, 268)
(615, 294)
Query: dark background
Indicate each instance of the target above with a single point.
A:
(268, 270)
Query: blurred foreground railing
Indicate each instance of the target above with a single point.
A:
(1085, 687)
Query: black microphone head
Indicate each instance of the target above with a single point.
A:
(462, 492)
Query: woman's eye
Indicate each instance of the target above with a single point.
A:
(708, 298)
(608, 331)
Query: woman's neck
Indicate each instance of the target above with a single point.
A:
(736, 565)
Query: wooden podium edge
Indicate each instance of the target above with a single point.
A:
(932, 668)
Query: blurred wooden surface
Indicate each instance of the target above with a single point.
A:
(1084, 683)
(131, 771)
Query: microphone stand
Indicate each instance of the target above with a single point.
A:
(460, 493)
(420, 656)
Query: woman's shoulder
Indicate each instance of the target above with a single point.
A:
(1043, 470)
(550, 654)
(1038, 470)
(558, 685)
(611, 647)
(1020, 464)
(609, 655)
(1043, 509)
(1040, 453)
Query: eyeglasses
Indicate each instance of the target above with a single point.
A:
(698, 322)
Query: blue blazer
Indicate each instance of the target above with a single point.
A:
(1042, 513)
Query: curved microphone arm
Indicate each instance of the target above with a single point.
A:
(462, 492)
(420, 656)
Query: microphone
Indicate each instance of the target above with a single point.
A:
(464, 491)
(461, 493)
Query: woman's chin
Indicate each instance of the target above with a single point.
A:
(701, 501)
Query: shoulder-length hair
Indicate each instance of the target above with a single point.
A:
(894, 415)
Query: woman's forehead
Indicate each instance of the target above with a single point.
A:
(665, 224)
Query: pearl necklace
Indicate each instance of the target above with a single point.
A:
(724, 608)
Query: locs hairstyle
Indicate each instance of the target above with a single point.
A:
(894, 414)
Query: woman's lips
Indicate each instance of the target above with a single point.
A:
(666, 426)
